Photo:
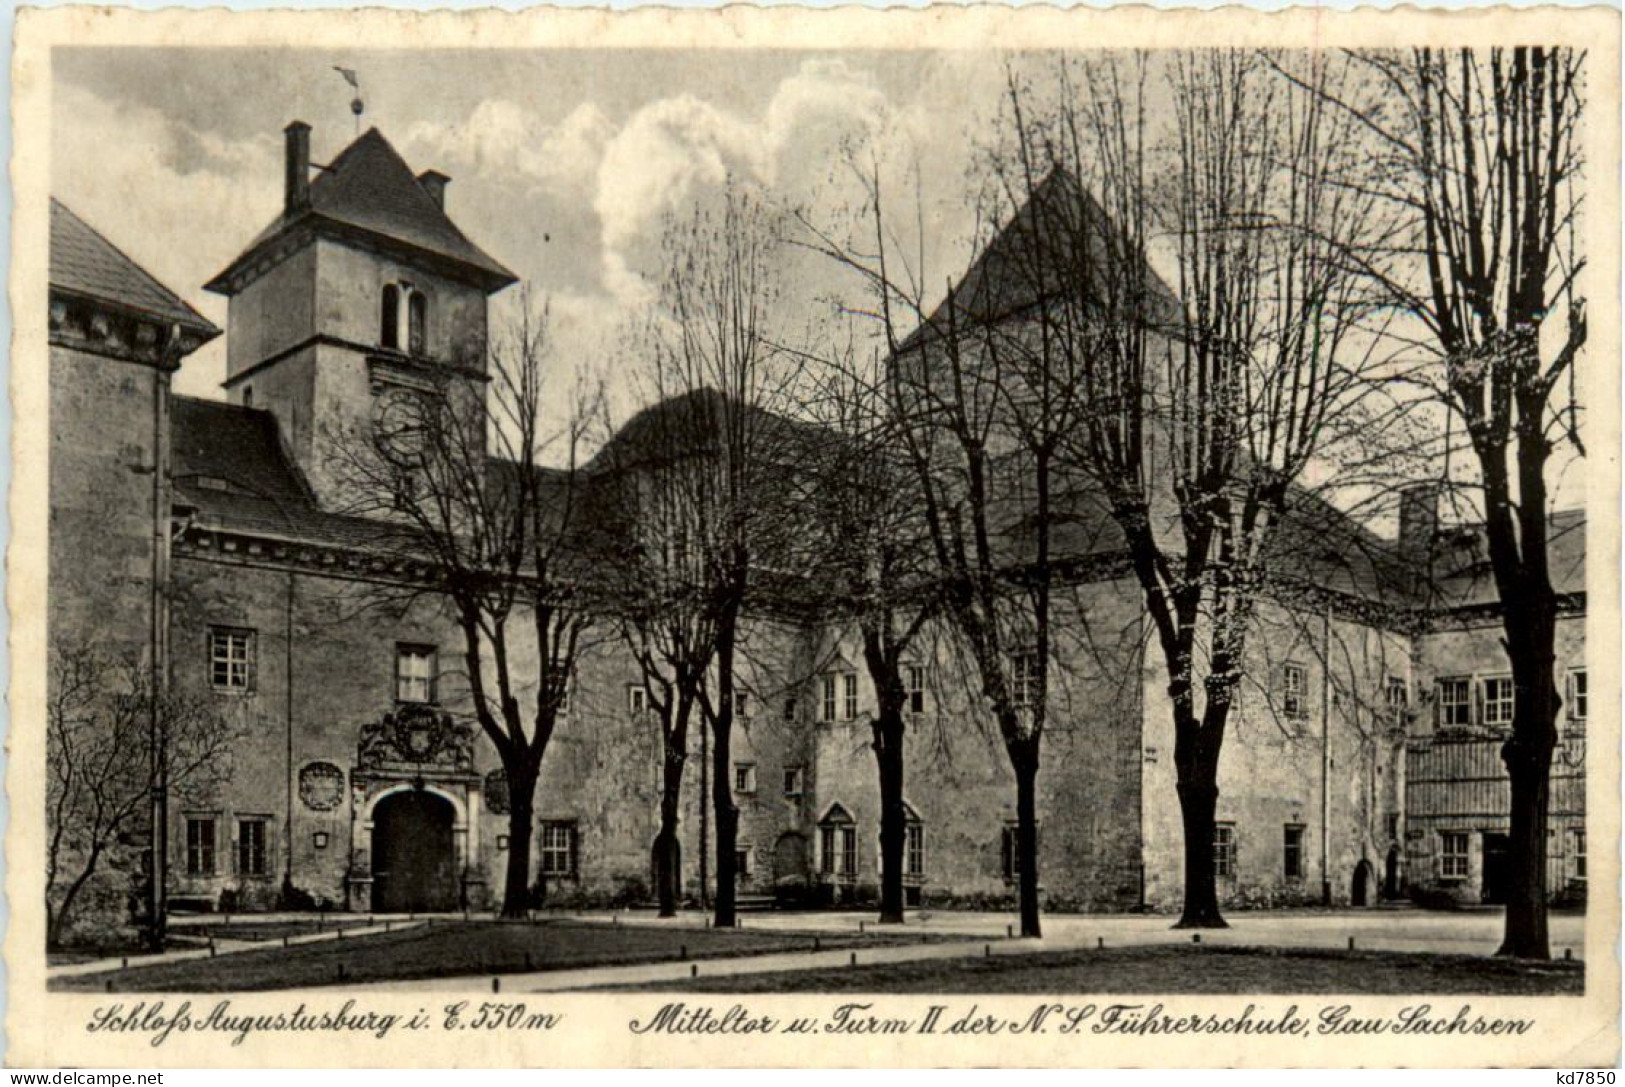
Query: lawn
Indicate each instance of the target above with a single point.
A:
(1172, 969)
(263, 930)
(453, 948)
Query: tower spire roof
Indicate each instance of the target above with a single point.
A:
(370, 192)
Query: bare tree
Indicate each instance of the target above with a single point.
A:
(101, 780)
(1480, 152)
(980, 419)
(1200, 408)
(872, 552)
(714, 351)
(457, 476)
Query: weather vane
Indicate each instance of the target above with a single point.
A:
(356, 105)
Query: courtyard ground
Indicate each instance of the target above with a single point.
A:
(421, 950)
(1167, 969)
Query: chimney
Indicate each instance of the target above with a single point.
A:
(434, 183)
(297, 192)
(1419, 517)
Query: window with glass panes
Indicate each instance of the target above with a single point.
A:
(744, 777)
(849, 695)
(838, 849)
(1224, 850)
(1024, 678)
(251, 847)
(1453, 854)
(829, 697)
(914, 850)
(558, 853)
(1577, 848)
(414, 673)
(914, 683)
(1497, 700)
(1295, 690)
(1455, 695)
(1292, 850)
(231, 659)
(1577, 694)
(200, 845)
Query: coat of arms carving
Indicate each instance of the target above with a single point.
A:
(416, 736)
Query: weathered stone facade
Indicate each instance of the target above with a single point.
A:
(347, 779)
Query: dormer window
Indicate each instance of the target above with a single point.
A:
(389, 321)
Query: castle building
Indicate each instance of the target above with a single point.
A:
(215, 539)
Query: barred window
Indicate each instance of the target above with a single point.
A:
(231, 659)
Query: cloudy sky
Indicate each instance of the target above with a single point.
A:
(562, 162)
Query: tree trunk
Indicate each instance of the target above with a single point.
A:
(521, 822)
(1528, 759)
(668, 865)
(888, 747)
(1198, 800)
(58, 921)
(727, 818)
(1024, 759)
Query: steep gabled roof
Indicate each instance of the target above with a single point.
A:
(84, 263)
(1059, 245)
(370, 189)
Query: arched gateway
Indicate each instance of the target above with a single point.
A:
(414, 861)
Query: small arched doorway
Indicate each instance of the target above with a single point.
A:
(1364, 877)
(413, 859)
(1390, 875)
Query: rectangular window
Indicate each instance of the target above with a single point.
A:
(558, 848)
(1010, 851)
(251, 856)
(838, 850)
(741, 704)
(1453, 854)
(914, 850)
(849, 686)
(231, 659)
(1577, 839)
(829, 696)
(1224, 850)
(792, 781)
(564, 696)
(1455, 702)
(744, 777)
(914, 683)
(742, 867)
(1391, 824)
(1294, 690)
(1024, 679)
(1577, 694)
(1292, 850)
(414, 673)
(637, 697)
(826, 850)
(1498, 700)
(849, 851)
(200, 845)
(1397, 695)
(790, 709)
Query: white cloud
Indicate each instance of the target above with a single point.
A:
(503, 138)
(179, 202)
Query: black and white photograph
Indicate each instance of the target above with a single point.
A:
(787, 542)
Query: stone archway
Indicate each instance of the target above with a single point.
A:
(1364, 879)
(414, 855)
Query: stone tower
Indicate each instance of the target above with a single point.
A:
(361, 288)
